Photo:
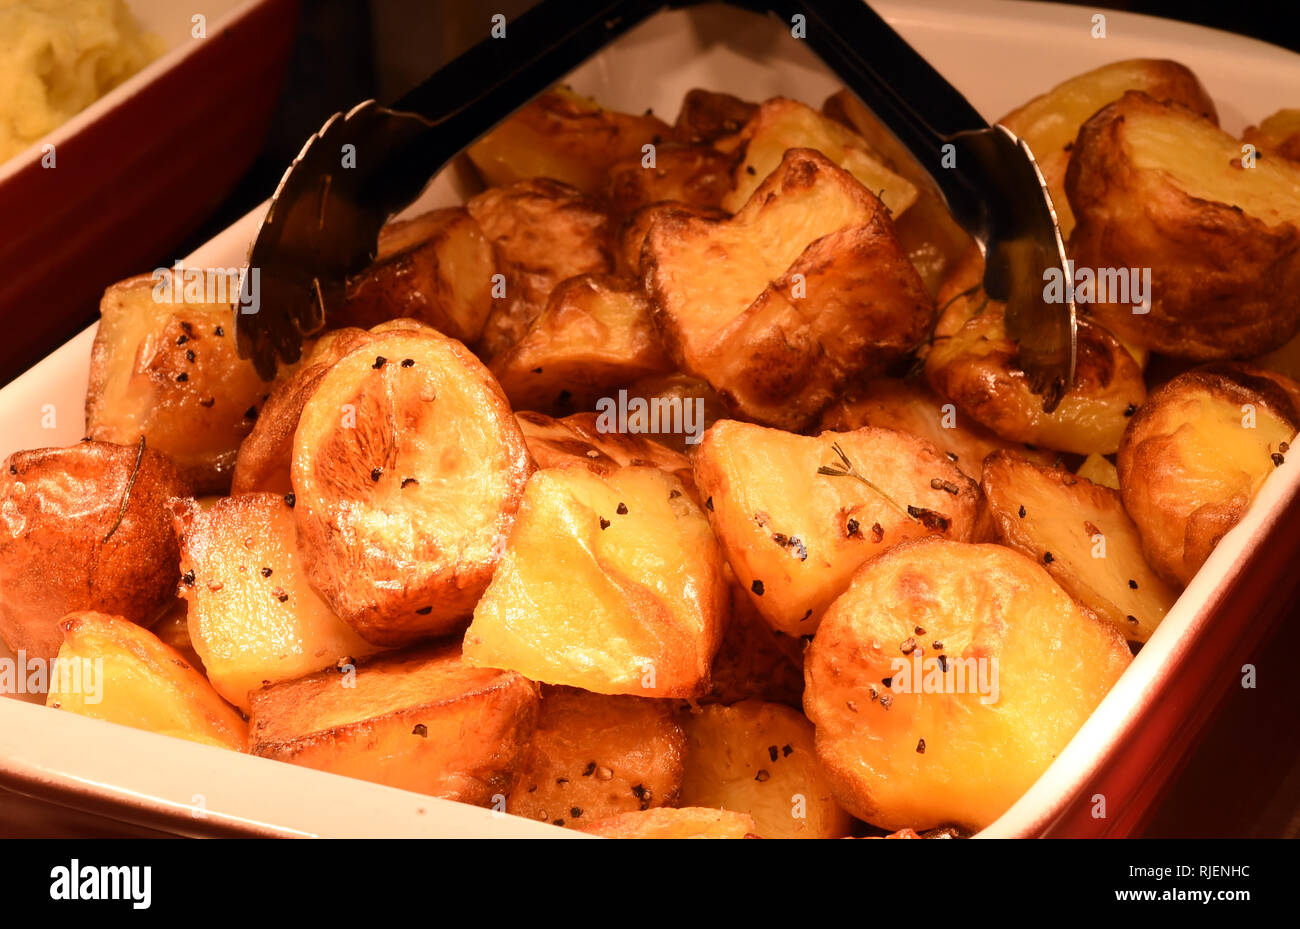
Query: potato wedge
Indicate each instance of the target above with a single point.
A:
(911, 406)
(170, 372)
(778, 307)
(795, 534)
(253, 618)
(755, 662)
(1080, 532)
(668, 823)
(564, 136)
(109, 668)
(972, 362)
(936, 652)
(609, 583)
(408, 467)
(1196, 454)
(419, 719)
(594, 336)
(694, 174)
(781, 124)
(594, 756)
(707, 118)
(444, 278)
(1155, 186)
(1278, 135)
(631, 235)
(1050, 122)
(543, 232)
(758, 758)
(84, 528)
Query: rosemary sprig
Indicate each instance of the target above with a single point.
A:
(126, 494)
(846, 469)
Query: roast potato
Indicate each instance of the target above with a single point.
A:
(972, 362)
(1050, 122)
(911, 406)
(755, 662)
(443, 278)
(693, 174)
(778, 307)
(758, 758)
(781, 124)
(1196, 454)
(109, 668)
(1100, 470)
(630, 238)
(173, 631)
(1080, 532)
(708, 118)
(612, 583)
(946, 679)
(170, 372)
(1156, 186)
(419, 719)
(408, 467)
(794, 534)
(699, 404)
(668, 823)
(594, 756)
(594, 337)
(253, 618)
(543, 232)
(564, 136)
(1278, 135)
(84, 528)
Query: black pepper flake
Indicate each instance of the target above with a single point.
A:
(644, 794)
(282, 596)
(674, 494)
(920, 746)
(907, 646)
(805, 617)
(1284, 447)
(787, 750)
(757, 587)
(289, 500)
(575, 811)
(621, 509)
(250, 413)
(189, 354)
(852, 528)
(266, 572)
(943, 663)
(762, 776)
(380, 361)
(376, 473)
(219, 332)
(877, 532)
(421, 730)
(886, 701)
(188, 328)
(425, 610)
(558, 822)
(709, 504)
(408, 481)
(887, 681)
(938, 483)
(188, 578)
(919, 630)
(563, 397)
(1047, 558)
(185, 376)
(207, 404)
(749, 169)
(951, 457)
(1278, 458)
(604, 523)
(773, 752)
(561, 781)
(929, 518)
(182, 340)
(589, 770)
(408, 362)
(1022, 512)
(1133, 585)
(1130, 409)
(1132, 619)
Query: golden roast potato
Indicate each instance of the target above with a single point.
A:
(1156, 186)
(682, 823)
(1278, 135)
(1196, 454)
(1100, 470)
(408, 467)
(708, 118)
(629, 240)
(755, 662)
(695, 174)
(945, 680)
(84, 528)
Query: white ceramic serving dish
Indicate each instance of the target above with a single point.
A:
(1000, 54)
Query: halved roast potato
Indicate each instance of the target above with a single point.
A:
(1156, 186)
(612, 583)
(408, 467)
(945, 680)
(708, 118)
(794, 534)
(418, 719)
(669, 823)
(779, 306)
(629, 240)
(694, 174)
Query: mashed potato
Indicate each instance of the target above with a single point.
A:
(58, 57)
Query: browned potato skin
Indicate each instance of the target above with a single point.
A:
(707, 118)
(564, 136)
(911, 406)
(594, 756)
(972, 362)
(631, 236)
(1224, 282)
(594, 337)
(59, 551)
(681, 823)
(1278, 135)
(443, 279)
(694, 174)
(543, 232)
(780, 358)
(1054, 664)
(755, 662)
(170, 372)
(681, 388)
(1184, 485)
(419, 719)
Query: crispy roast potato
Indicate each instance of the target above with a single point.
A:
(253, 618)
(946, 679)
(781, 124)
(1277, 135)
(1050, 122)
(564, 136)
(419, 719)
(1196, 454)
(668, 823)
(758, 758)
(173, 630)
(707, 118)
(699, 404)
(1100, 470)
(594, 336)
(911, 406)
(694, 174)
(543, 232)
(84, 528)
(631, 235)
(170, 372)
(1155, 186)
(795, 534)
(1080, 532)
(778, 307)
(594, 756)
(443, 277)
(755, 662)
(109, 668)
(609, 583)
(972, 362)
(408, 467)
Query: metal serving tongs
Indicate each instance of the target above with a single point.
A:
(363, 166)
